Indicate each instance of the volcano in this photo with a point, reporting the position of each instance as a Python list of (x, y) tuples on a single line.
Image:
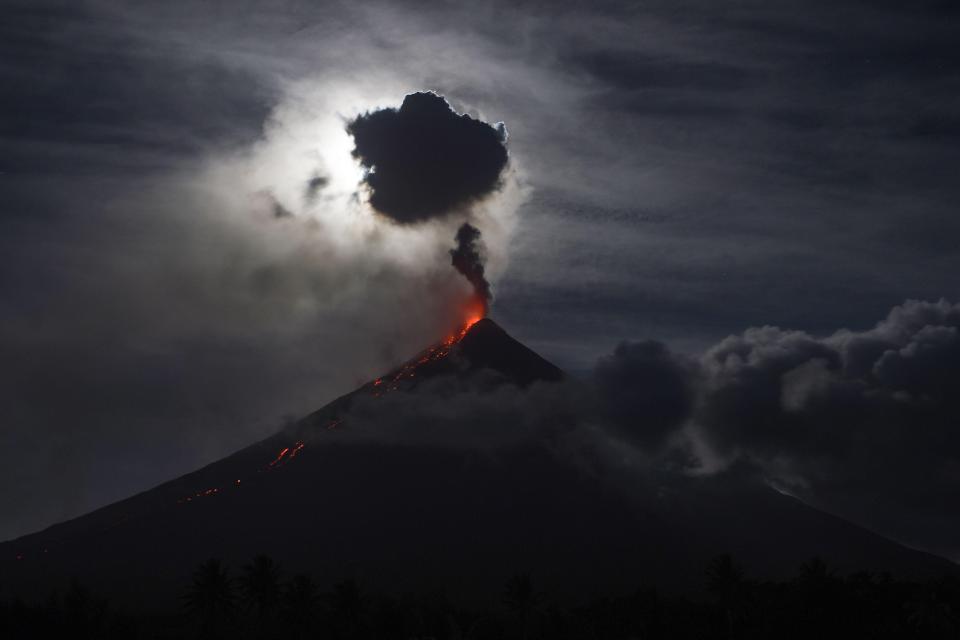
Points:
[(399, 511)]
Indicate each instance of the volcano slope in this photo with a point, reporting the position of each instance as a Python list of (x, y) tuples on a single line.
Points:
[(455, 471)]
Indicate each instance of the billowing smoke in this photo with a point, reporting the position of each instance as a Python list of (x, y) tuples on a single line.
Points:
[(425, 161), (467, 258), (644, 391), (862, 423)]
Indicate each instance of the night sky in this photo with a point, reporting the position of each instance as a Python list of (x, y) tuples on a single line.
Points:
[(706, 211)]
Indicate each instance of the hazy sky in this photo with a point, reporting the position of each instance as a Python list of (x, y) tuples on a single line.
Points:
[(679, 171)]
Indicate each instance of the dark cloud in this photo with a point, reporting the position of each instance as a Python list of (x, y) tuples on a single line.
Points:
[(424, 160), (644, 391), (773, 390), (467, 258), (862, 423)]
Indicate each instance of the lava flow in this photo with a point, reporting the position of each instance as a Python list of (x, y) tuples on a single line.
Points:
[(441, 350), (379, 386), (200, 494), (287, 454)]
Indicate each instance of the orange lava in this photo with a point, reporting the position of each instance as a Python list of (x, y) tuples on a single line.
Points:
[(380, 386), (287, 454), (297, 448), (200, 494), (474, 312), (279, 457), (472, 320)]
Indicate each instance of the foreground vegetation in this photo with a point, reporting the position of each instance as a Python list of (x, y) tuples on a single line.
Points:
[(259, 602)]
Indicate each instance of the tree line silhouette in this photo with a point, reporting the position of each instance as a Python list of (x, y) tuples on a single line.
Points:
[(259, 603)]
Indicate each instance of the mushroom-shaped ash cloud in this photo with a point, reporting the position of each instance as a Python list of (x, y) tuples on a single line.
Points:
[(424, 161)]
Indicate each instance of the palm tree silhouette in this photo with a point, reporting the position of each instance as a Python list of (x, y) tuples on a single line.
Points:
[(819, 592), (210, 598), (348, 605), (260, 587), (260, 583), (301, 597), (83, 613), (521, 600), (725, 581), (929, 613)]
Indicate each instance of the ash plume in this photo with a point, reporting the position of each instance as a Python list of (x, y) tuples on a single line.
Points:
[(467, 258), (424, 161)]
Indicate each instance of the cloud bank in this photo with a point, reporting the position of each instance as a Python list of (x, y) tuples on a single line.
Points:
[(865, 424)]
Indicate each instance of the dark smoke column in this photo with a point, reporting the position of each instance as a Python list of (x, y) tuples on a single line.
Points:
[(467, 258), (424, 162)]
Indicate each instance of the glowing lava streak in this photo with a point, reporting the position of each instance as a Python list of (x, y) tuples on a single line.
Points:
[(438, 351), (279, 458), (475, 311), (297, 448), (200, 494), (287, 454)]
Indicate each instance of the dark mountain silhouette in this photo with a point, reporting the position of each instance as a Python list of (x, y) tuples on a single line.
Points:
[(415, 516)]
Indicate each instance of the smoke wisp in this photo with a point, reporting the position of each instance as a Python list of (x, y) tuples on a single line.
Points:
[(467, 258)]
